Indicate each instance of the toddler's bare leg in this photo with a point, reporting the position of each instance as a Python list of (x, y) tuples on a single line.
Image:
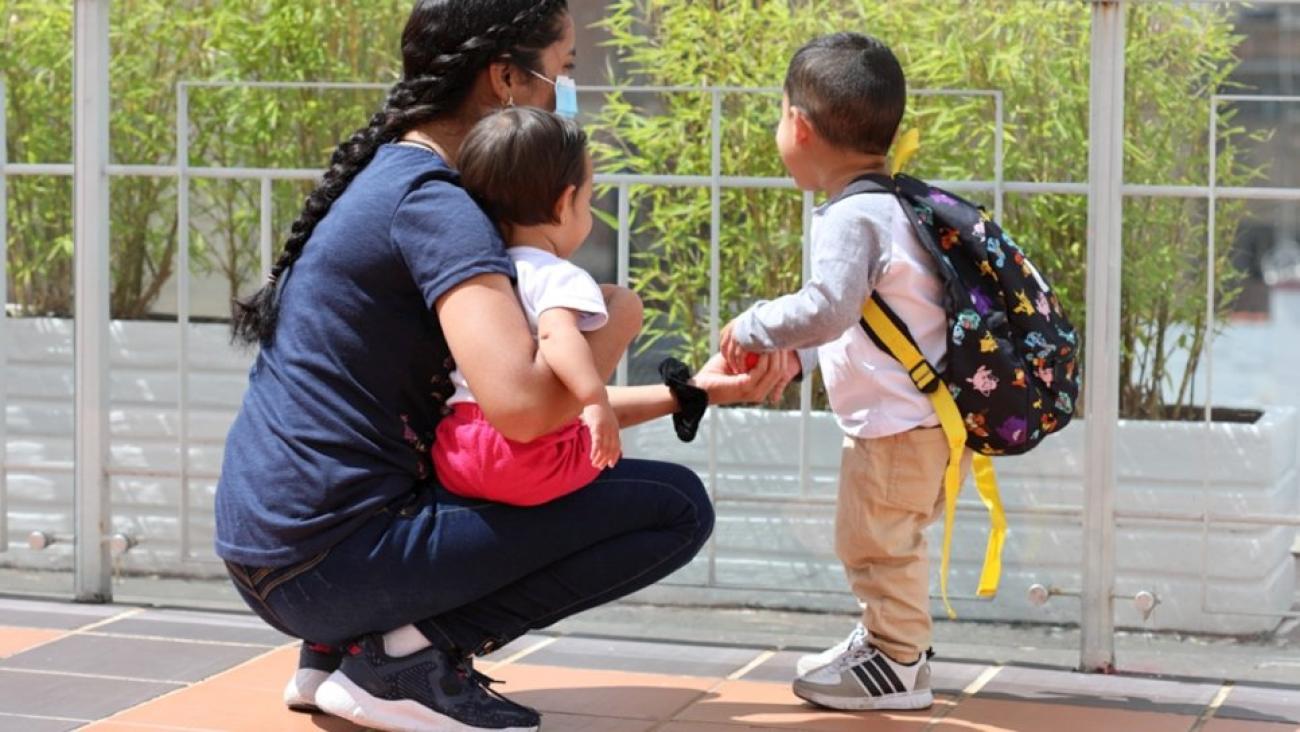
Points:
[(610, 342)]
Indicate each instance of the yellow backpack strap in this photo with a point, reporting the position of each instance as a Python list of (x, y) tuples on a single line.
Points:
[(986, 482), (890, 333)]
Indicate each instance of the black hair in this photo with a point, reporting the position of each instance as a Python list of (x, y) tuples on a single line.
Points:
[(852, 88), (445, 44), (518, 162)]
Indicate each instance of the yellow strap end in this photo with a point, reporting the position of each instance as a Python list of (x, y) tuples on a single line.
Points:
[(908, 143)]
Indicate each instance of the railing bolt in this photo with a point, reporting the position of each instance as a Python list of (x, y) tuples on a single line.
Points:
[(119, 544), (1039, 595), (39, 540), (1145, 602)]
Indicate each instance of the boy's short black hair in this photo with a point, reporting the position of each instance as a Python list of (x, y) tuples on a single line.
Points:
[(852, 88)]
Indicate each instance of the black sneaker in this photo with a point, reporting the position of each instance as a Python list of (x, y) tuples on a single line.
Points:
[(427, 691), (316, 662)]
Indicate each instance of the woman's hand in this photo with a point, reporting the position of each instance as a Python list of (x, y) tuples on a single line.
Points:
[(767, 380)]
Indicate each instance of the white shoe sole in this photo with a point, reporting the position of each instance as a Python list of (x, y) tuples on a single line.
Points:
[(300, 692), (910, 700), (341, 697)]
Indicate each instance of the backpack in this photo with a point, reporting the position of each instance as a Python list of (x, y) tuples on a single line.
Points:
[(1011, 374)]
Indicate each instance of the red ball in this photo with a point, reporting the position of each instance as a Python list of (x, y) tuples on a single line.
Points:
[(751, 360)]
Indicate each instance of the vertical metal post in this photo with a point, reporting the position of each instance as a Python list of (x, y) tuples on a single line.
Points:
[(183, 312), (1101, 373), (805, 387), (715, 294), (92, 581), (1207, 351), (4, 324), (999, 156), (265, 239), (624, 256)]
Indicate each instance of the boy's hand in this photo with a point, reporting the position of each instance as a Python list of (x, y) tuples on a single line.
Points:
[(732, 351), (606, 445)]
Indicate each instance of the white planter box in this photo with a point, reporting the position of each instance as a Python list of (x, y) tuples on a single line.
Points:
[(773, 539)]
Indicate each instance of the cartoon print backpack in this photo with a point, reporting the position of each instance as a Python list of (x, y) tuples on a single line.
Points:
[(1011, 377)]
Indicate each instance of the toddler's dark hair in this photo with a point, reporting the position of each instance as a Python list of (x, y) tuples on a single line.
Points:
[(518, 162), (852, 88)]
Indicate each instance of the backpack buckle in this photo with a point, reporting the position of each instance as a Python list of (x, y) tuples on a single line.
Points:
[(924, 377)]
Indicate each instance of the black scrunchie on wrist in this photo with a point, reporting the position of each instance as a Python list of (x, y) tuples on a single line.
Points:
[(692, 401)]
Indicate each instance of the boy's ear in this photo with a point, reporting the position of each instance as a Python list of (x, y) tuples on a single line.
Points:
[(803, 129), (562, 204)]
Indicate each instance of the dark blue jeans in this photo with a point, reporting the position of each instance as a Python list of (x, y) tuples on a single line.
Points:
[(473, 575)]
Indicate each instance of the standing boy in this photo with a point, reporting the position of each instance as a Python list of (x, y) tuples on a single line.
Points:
[(844, 98)]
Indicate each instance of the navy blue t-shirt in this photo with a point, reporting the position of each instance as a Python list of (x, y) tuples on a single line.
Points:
[(339, 412)]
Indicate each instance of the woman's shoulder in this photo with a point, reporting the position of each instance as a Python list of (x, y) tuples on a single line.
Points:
[(439, 231), (427, 179), (414, 168)]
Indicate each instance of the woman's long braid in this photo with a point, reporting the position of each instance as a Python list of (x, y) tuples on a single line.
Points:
[(417, 99)]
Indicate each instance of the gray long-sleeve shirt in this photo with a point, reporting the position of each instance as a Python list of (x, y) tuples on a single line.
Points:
[(860, 244), (850, 250)]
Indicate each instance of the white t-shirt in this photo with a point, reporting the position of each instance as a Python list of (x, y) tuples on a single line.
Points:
[(544, 281), (869, 390)]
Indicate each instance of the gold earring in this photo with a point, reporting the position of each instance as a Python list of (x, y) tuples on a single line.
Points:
[(510, 100)]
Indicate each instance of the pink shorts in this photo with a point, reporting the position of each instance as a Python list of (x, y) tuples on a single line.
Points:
[(474, 460)]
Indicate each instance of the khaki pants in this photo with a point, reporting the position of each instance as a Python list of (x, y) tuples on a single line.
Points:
[(890, 490)]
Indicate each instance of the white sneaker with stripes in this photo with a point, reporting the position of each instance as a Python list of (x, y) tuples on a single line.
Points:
[(860, 677), (813, 661)]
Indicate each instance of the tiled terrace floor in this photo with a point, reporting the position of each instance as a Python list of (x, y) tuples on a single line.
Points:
[(128, 669)]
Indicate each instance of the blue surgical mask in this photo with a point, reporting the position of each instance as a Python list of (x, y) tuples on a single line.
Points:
[(566, 94)]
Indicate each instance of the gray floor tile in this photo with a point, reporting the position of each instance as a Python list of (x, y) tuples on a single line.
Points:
[(655, 658), (132, 658), (198, 626), (53, 606), (951, 677), (38, 724), (779, 669), (60, 615), (1092, 690), (56, 621), (525, 641), (71, 696), (1262, 704)]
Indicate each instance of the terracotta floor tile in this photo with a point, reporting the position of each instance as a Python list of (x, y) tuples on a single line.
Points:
[(997, 715), (600, 693), (246, 697), (16, 640), (707, 727), (129, 727), (210, 707), (576, 723), (269, 672), (1237, 725), (773, 706)]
